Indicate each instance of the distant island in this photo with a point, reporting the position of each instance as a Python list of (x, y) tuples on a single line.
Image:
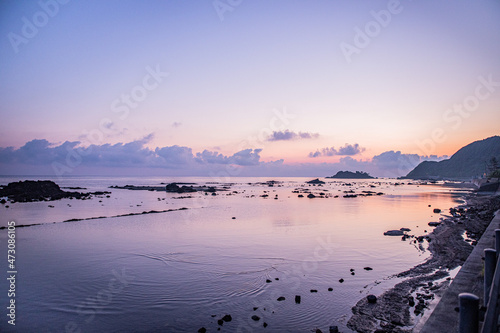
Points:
[(474, 160), (351, 175)]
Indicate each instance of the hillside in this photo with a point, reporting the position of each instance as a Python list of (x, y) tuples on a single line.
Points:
[(469, 161)]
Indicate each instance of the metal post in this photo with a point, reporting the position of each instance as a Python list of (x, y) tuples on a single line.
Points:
[(469, 313), (497, 240), (490, 262)]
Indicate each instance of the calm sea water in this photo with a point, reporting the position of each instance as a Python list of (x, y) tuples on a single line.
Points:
[(183, 270)]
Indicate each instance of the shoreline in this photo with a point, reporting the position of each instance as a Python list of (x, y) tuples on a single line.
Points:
[(450, 244)]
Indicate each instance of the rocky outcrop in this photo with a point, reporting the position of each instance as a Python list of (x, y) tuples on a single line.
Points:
[(41, 190)]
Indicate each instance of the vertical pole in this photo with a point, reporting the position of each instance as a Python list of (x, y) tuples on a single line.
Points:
[(469, 313), (497, 240), (490, 262)]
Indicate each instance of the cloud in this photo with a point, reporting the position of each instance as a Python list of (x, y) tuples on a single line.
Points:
[(347, 150), (176, 124), (290, 135), (40, 157)]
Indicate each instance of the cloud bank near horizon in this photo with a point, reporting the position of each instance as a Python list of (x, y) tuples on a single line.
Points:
[(40, 157)]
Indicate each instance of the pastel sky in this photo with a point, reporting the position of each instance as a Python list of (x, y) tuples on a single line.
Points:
[(284, 87)]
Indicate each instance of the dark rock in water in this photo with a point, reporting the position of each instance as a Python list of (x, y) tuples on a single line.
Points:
[(220, 322), (277, 279), (310, 196), (350, 196), (315, 181), (368, 269), (268, 281), (434, 224), (202, 330), (227, 318), (3, 201), (233, 218), (333, 329), (411, 301), (372, 299), (437, 210), (300, 196), (41, 190), (265, 325), (341, 280), (281, 298), (330, 289), (256, 318), (255, 308), (314, 291), (405, 229), (352, 273), (394, 233), (297, 299), (173, 187), (318, 331)]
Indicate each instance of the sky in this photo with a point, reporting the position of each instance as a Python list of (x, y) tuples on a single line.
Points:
[(239, 87)]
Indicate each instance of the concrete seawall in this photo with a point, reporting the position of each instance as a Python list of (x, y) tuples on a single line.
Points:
[(469, 279)]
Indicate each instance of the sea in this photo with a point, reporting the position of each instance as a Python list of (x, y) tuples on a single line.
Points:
[(259, 250)]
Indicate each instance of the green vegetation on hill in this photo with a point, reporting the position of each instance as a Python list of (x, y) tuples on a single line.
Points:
[(473, 160)]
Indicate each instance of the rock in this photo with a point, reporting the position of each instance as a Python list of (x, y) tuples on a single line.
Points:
[(255, 308), (434, 224), (405, 229), (437, 210), (268, 281), (314, 291), (227, 318), (333, 329), (297, 299), (318, 331), (353, 273), (372, 299), (234, 218), (368, 268), (42, 190), (3, 201), (281, 298), (265, 324), (300, 196), (411, 301), (341, 280), (202, 330), (220, 322), (277, 279), (330, 289), (315, 181), (310, 196), (255, 318), (394, 233)]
